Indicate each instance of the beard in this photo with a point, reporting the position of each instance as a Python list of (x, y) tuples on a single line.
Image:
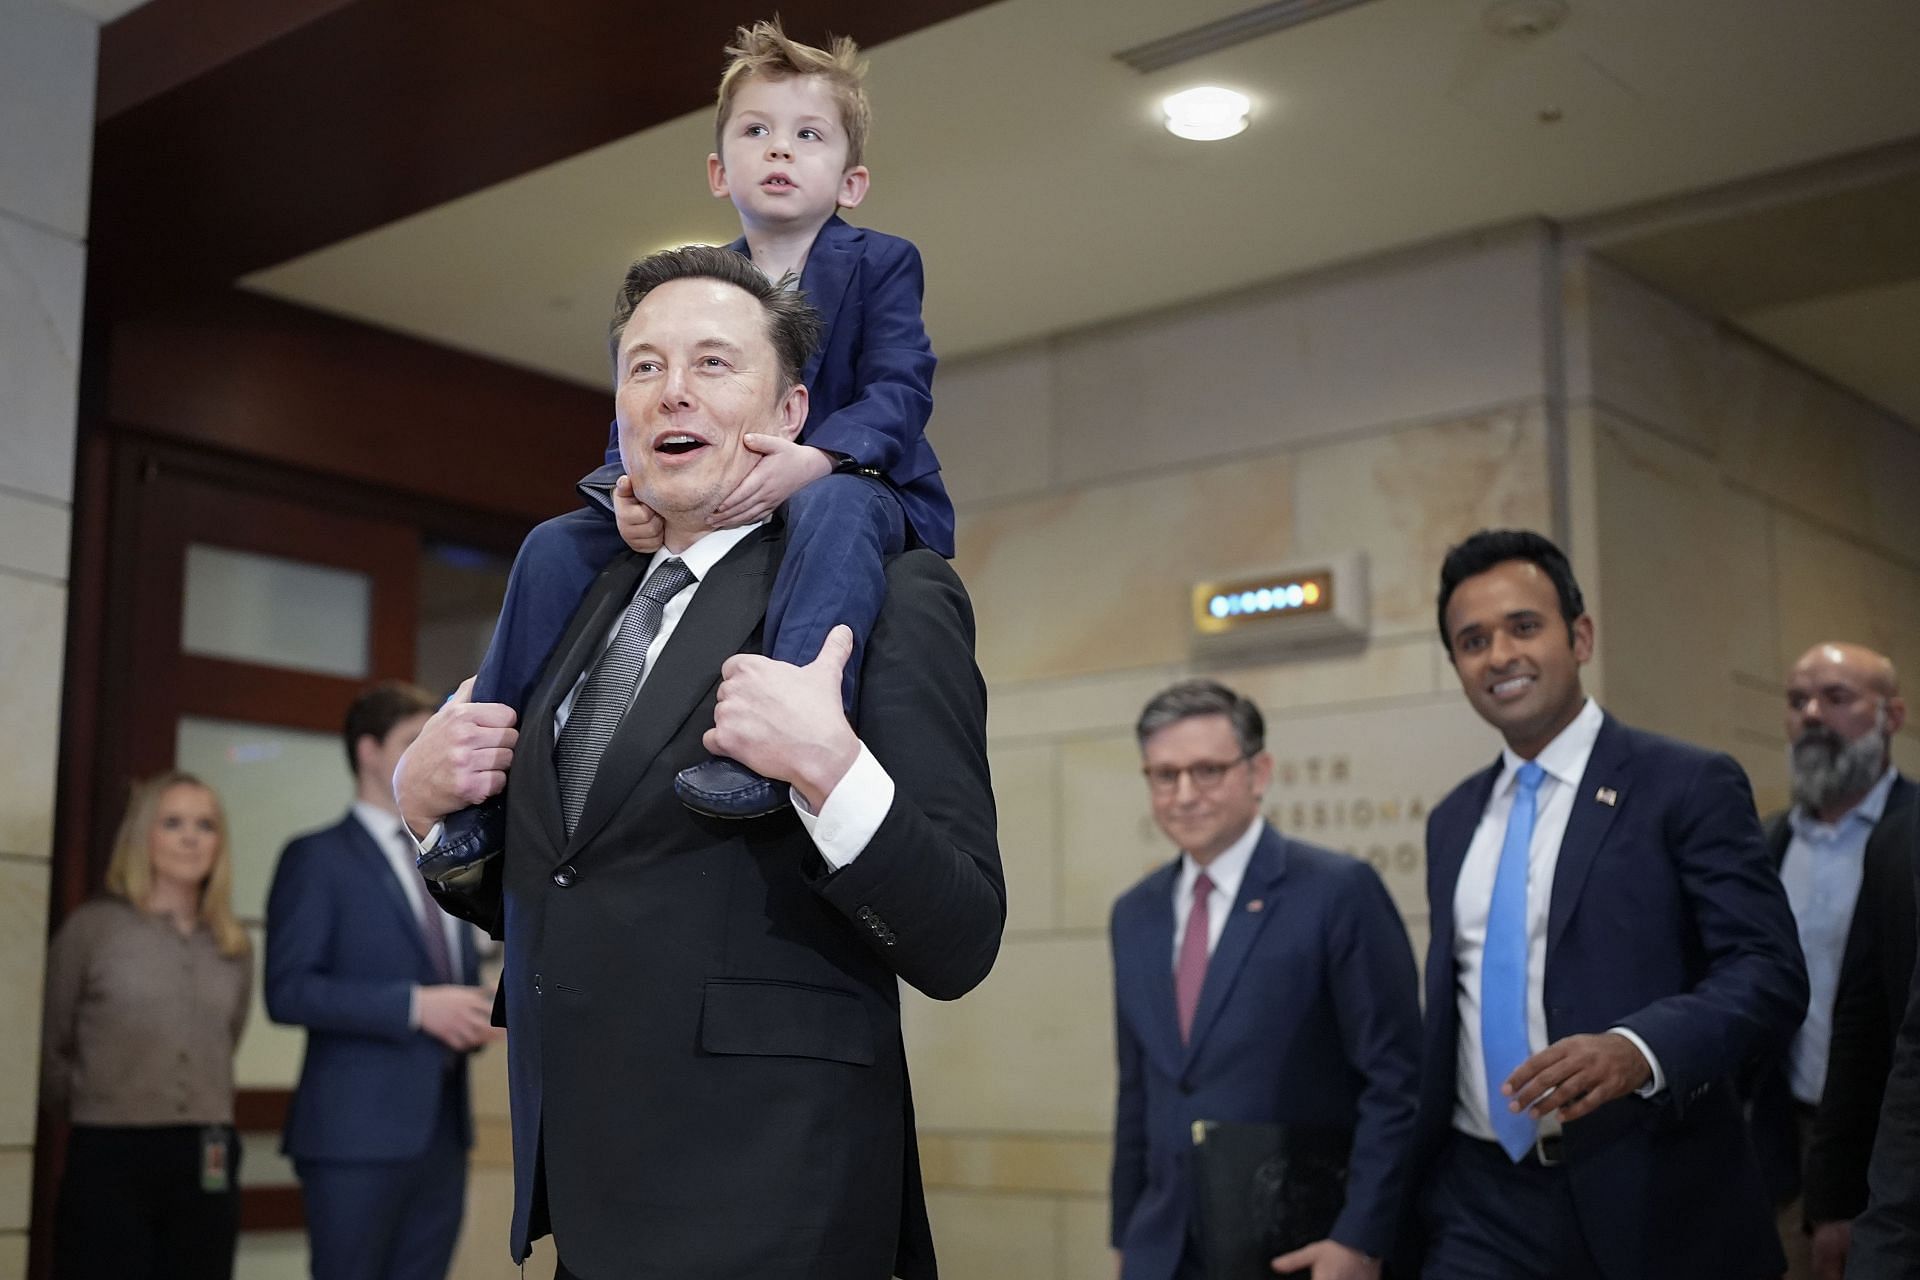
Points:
[(1827, 769)]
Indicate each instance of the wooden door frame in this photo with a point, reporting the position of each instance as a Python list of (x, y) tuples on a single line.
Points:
[(121, 565)]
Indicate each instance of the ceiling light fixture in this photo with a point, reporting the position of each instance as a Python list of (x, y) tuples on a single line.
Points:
[(1206, 114)]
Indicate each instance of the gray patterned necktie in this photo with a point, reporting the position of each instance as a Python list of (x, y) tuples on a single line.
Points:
[(608, 690)]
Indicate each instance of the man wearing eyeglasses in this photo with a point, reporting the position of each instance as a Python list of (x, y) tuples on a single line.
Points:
[(1258, 979)]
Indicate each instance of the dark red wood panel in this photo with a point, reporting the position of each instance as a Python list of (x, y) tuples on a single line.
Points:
[(282, 383), (375, 109)]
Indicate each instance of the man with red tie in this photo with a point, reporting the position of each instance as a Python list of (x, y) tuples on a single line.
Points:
[(1258, 979)]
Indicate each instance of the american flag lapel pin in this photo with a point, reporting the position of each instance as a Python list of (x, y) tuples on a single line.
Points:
[(1607, 796), (1256, 904)]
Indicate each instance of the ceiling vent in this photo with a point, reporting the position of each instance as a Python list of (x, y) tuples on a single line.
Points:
[(1261, 20)]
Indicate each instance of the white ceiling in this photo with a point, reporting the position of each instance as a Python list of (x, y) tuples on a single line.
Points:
[(1029, 166)]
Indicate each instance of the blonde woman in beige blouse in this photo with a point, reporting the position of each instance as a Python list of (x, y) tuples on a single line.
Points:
[(147, 991)]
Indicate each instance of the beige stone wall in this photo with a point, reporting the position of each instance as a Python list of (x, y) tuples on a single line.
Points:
[(46, 96), (1743, 509), (1392, 406)]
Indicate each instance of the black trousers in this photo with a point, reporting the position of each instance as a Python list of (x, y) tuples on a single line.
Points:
[(132, 1207)]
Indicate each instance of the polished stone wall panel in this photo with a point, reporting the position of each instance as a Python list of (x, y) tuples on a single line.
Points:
[(46, 98), (23, 954), (41, 277), (33, 618), (1024, 795), (1028, 1051), (1445, 328), (1405, 496), (1097, 579), (993, 425)]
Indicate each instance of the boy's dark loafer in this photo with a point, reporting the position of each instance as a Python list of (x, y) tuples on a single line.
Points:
[(723, 788), (469, 839)]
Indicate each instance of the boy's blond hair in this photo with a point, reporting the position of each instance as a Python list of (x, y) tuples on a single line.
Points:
[(764, 50)]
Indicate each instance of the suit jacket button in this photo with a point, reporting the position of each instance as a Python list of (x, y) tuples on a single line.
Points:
[(564, 875)]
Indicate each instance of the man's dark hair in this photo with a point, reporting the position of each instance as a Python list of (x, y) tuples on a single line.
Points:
[(1490, 547), (1192, 698), (793, 325), (375, 712)]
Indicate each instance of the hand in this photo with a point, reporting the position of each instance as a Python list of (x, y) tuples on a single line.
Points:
[(1576, 1076), (1832, 1241), (782, 469), (1119, 1264), (1329, 1260), (788, 722), (460, 758), (458, 1017), (640, 528)]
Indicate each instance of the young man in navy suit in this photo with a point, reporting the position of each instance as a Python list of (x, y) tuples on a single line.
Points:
[(1610, 947), (858, 484), (1258, 979), (384, 982)]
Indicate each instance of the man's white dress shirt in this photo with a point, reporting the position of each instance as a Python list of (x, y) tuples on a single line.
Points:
[(1564, 761), (1226, 872)]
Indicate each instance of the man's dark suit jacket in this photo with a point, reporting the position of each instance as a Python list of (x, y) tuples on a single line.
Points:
[(1886, 1235), (1310, 1015), (1874, 970), (871, 380), (344, 951), (1665, 919), (703, 1024)]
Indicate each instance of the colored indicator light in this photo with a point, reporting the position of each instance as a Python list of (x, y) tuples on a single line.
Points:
[(1295, 595), (1311, 593), (1264, 597), (1218, 607)]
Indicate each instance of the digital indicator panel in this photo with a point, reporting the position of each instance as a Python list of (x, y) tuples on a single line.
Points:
[(1225, 606)]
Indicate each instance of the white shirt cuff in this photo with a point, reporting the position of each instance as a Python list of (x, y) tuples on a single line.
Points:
[(852, 813), (425, 843), (1658, 1084)]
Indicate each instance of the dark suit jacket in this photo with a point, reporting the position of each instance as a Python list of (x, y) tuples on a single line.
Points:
[(870, 384), (703, 1023), (1664, 919), (1310, 1015), (1886, 1235), (1874, 968), (344, 950)]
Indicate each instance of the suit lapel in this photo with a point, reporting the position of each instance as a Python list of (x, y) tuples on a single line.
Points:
[(1265, 869), (380, 871), (536, 780), (1597, 799), (829, 268), (730, 603), (1449, 852), (1155, 952)]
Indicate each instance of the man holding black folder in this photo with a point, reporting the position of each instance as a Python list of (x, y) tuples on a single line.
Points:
[(1265, 987)]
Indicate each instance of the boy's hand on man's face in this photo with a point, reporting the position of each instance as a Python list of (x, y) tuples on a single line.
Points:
[(782, 470), (640, 528)]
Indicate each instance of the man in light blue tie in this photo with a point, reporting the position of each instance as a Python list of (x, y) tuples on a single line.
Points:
[(1609, 947)]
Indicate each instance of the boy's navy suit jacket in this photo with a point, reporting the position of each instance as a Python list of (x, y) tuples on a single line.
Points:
[(344, 951), (870, 385), (1666, 919)]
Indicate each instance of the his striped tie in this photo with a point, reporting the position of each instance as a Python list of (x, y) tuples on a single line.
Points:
[(608, 690)]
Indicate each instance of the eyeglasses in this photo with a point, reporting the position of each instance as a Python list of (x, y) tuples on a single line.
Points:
[(1206, 775)]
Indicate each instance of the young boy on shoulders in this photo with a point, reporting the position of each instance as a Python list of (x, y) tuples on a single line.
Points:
[(860, 483)]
